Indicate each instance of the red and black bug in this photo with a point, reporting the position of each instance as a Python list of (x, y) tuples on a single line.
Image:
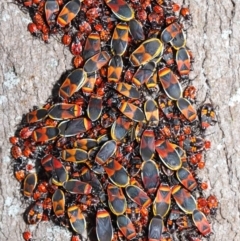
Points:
[(183, 62), (147, 145), (75, 155), (184, 199), (119, 40), (155, 228), (44, 134), (138, 196), (186, 178), (187, 109), (201, 223), (150, 176), (126, 226), (36, 115), (75, 186), (77, 219), (68, 12), (207, 116), (162, 202), (51, 10), (121, 9), (95, 106), (116, 199), (29, 184), (58, 203), (115, 68), (104, 227), (170, 83), (136, 30)]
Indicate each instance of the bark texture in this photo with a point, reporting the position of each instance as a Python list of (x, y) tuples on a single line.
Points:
[(29, 69)]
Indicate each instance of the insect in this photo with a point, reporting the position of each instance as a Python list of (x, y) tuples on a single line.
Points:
[(184, 199), (162, 202), (35, 213), (29, 184), (155, 228), (92, 46), (68, 12), (115, 68), (201, 223), (207, 116), (74, 81), (147, 51), (64, 111), (170, 32), (126, 226), (186, 178), (150, 176), (75, 155), (170, 83), (116, 199), (75, 186), (121, 9), (119, 40), (36, 115), (95, 106), (58, 203), (104, 227), (136, 30), (51, 10), (187, 109), (183, 62), (168, 154), (151, 112), (147, 145), (77, 219)]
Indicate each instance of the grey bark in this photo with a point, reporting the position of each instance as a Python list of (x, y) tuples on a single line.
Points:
[(29, 69)]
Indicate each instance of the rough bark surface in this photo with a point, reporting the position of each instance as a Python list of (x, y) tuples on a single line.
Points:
[(29, 69)]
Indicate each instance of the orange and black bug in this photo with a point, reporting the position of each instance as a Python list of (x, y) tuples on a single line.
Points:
[(151, 112), (207, 116), (147, 51), (44, 134), (170, 32), (128, 90), (168, 56), (138, 196), (186, 178), (74, 81), (183, 62), (74, 127), (95, 106), (192, 144), (85, 143), (77, 219), (115, 68), (184, 199), (75, 186), (144, 73), (117, 173), (136, 30), (116, 199), (167, 106), (92, 46), (187, 109), (120, 128), (29, 184), (68, 12), (121, 9), (36, 115), (47, 162), (64, 111), (170, 83), (131, 111), (168, 154), (119, 40), (58, 203), (201, 223), (150, 176), (96, 62), (126, 227), (90, 82), (152, 82), (16, 152), (179, 40), (106, 151), (104, 228), (19, 173), (147, 145), (75, 155), (162, 202), (27, 236), (155, 229), (59, 172), (34, 213), (51, 10)]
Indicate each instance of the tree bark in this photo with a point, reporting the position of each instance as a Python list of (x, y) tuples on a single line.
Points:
[(30, 68)]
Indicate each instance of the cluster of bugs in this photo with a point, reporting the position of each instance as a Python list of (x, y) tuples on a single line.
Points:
[(114, 155)]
